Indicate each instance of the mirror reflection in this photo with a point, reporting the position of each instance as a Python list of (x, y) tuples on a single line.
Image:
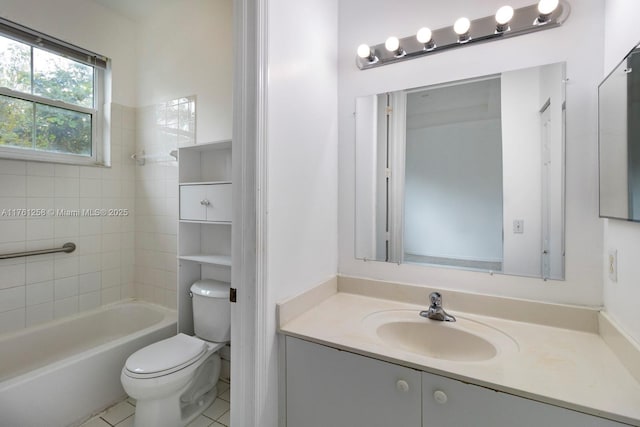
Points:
[(467, 174), (619, 140)]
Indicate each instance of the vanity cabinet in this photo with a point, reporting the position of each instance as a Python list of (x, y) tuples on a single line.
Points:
[(329, 387), (332, 388), (451, 403)]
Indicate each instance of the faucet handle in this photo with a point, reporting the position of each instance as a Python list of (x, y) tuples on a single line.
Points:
[(436, 299)]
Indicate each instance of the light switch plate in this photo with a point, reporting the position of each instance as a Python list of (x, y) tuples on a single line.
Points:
[(518, 226), (612, 265)]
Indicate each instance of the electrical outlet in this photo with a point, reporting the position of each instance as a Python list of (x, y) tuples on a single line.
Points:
[(518, 226), (612, 265)]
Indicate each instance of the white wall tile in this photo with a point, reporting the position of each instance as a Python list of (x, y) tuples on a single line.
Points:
[(39, 229), (89, 225), (12, 320), (89, 282), (8, 205), (110, 278), (65, 288), (13, 230), (90, 188), (66, 267), (39, 293), (12, 167), (41, 203), (12, 247), (66, 226), (89, 301), (66, 187), (110, 260), (13, 186), (68, 171), (89, 263), (12, 298), (111, 242), (40, 186), (91, 172), (39, 271), (65, 307), (12, 275), (37, 314), (87, 245), (110, 295), (40, 169)]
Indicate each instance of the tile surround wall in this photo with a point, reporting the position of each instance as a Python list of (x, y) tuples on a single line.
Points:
[(161, 128), (101, 270)]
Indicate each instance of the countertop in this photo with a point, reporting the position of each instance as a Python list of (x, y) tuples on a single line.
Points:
[(570, 368)]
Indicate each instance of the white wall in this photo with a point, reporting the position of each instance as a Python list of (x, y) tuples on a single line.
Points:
[(621, 298), (579, 42), (302, 157), (186, 48), (38, 289)]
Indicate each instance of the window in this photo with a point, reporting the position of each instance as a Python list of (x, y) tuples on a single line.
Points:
[(51, 98)]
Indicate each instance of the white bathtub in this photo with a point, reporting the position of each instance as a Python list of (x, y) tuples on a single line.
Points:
[(60, 373)]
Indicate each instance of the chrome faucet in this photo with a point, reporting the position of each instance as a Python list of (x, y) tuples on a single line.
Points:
[(435, 311)]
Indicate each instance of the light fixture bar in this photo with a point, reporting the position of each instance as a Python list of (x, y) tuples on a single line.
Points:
[(524, 21)]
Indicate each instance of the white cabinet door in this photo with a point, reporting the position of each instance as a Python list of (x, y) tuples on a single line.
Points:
[(208, 202), (332, 388), (192, 206), (450, 403), (219, 202)]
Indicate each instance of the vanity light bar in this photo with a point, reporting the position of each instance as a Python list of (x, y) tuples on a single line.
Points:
[(507, 22)]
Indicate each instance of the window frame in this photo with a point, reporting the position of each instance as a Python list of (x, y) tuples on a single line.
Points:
[(101, 81)]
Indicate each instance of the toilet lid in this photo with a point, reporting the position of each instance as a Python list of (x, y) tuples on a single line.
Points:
[(166, 355)]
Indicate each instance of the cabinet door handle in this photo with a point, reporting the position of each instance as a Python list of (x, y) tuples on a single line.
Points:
[(205, 202), (440, 397), (402, 385)]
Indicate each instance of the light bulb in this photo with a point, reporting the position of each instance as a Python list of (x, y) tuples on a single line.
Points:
[(424, 35), (461, 26), (546, 7), (392, 44), (364, 51), (504, 15)]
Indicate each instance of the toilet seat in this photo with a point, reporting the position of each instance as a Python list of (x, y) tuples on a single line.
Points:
[(165, 357)]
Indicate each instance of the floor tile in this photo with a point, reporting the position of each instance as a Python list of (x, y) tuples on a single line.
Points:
[(217, 408), (225, 419), (226, 395), (118, 413), (131, 400), (222, 387), (96, 422), (201, 421), (126, 423), (217, 424)]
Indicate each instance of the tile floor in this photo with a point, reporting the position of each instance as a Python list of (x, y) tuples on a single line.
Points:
[(121, 414)]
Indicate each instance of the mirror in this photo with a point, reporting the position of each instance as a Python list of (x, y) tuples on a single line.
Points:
[(619, 140), (467, 174)]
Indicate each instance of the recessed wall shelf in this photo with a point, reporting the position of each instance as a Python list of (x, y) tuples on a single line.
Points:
[(204, 227), (205, 183), (224, 260)]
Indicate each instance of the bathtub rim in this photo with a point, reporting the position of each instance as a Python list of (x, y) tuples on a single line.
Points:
[(169, 316)]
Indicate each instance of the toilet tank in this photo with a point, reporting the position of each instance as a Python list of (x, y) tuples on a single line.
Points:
[(211, 310)]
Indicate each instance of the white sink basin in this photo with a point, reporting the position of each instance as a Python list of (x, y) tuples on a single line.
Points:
[(463, 341)]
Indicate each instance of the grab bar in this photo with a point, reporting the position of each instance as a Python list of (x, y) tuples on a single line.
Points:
[(67, 247)]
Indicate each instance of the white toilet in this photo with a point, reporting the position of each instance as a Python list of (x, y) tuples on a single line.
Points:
[(174, 380)]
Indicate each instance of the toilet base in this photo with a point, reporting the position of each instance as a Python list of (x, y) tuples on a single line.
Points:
[(168, 413)]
